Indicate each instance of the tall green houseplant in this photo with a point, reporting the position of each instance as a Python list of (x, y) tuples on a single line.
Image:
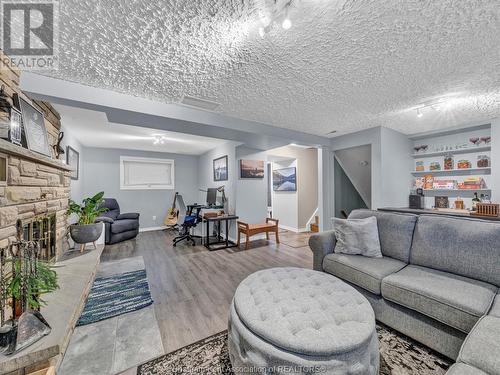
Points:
[(89, 210), (87, 230)]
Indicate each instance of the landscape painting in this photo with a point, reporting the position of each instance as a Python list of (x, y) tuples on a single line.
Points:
[(220, 169), (251, 168), (285, 179)]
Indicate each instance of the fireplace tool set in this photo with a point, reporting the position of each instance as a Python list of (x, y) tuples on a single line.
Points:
[(19, 267)]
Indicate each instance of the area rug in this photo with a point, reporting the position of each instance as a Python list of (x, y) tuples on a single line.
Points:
[(399, 355), (295, 240), (116, 295)]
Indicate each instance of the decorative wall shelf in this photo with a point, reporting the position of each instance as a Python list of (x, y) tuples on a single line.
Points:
[(455, 172), (467, 150), (455, 192)]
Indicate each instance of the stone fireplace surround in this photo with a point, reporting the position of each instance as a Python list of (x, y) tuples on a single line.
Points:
[(36, 186)]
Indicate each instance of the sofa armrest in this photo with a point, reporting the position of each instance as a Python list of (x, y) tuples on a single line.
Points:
[(321, 244), (129, 215), (104, 219)]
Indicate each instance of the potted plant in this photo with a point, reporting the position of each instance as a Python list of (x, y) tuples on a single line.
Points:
[(86, 229), (45, 281)]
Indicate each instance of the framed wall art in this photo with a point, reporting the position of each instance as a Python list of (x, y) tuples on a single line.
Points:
[(34, 128), (220, 169), (73, 160), (252, 169)]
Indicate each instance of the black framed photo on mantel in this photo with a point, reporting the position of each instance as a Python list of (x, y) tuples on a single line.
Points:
[(73, 160), (34, 128)]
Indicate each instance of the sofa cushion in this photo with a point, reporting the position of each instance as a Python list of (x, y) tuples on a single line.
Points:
[(364, 272), (120, 226), (481, 348), (495, 309), (466, 247), (451, 299), (395, 231), (463, 369)]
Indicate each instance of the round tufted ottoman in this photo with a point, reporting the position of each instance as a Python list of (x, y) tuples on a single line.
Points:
[(298, 321)]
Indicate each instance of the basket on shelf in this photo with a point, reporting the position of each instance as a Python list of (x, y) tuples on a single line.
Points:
[(487, 209)]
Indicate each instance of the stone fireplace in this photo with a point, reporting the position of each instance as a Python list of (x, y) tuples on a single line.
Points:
[(36, 192), (33, 188)]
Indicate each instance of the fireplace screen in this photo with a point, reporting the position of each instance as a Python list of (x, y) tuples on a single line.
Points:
[(42, 229)]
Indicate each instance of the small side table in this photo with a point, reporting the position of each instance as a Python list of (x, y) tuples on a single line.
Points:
[(223, 243)]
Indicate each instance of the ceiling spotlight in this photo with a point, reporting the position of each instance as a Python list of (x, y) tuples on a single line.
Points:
[(262, 32), (419, 113), (286, 23)]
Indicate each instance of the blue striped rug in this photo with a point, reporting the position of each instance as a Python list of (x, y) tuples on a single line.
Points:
[(116, 295)]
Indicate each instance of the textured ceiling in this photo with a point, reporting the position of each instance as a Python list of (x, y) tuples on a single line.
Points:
[(92, 129), (344, 65)]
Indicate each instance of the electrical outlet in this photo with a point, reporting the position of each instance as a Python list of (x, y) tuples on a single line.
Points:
[(154, 218)]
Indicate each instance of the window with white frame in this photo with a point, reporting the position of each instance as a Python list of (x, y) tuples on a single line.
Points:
[(146, 173)]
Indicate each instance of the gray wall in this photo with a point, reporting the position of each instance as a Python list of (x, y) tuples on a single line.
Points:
[(346, 196), (102, 173), (366, 137), (390, 164), (70, 140), (251, 194)]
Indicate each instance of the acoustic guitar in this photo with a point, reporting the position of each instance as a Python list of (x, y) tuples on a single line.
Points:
[(173, 213)]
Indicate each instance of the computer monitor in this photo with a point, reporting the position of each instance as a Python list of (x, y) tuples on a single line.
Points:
[(211, 196)]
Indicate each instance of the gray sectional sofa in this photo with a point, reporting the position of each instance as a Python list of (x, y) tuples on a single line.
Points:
[(437, 282)]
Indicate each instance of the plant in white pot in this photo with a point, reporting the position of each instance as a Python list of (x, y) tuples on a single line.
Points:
[(86, 230)]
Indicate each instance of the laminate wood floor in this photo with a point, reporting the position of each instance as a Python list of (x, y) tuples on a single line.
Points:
[(192, 287)]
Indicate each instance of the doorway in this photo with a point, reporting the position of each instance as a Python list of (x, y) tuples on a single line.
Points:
[(352, 179)]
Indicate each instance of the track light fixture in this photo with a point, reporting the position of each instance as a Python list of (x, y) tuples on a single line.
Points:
[(419, 113), (279, 15)]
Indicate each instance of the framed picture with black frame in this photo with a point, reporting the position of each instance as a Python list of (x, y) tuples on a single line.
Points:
[(34, 128), (73, 160), (220, 169)]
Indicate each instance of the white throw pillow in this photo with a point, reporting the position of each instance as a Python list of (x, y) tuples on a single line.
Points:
[(357, 236)]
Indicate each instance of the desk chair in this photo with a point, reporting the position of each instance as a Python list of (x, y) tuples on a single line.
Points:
[(186, 221)]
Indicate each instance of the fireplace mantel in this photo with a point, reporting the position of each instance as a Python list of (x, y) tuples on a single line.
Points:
[(14, 150)]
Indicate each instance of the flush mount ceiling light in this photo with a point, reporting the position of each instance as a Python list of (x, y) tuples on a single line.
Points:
[(278, 15), (437, 106), (159, 139)]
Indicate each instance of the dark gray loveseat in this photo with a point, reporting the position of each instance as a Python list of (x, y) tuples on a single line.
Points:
[(438, 282)]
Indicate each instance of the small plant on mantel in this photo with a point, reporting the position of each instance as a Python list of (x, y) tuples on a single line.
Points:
[(87, 230)]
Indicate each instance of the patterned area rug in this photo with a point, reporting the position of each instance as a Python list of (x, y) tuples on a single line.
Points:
[(399, 355), (116, 295)]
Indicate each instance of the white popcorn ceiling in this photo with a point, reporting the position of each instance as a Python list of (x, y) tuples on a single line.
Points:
[(344, 65)]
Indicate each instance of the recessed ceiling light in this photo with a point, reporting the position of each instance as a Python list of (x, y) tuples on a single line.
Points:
[(286, 23)]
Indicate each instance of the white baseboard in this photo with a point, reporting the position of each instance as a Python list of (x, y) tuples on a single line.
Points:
[(150, 229), (292, 229)]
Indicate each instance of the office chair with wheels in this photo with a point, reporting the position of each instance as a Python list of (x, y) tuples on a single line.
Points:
[(186, 221)]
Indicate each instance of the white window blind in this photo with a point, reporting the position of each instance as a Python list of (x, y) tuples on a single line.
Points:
[(146, 173)]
